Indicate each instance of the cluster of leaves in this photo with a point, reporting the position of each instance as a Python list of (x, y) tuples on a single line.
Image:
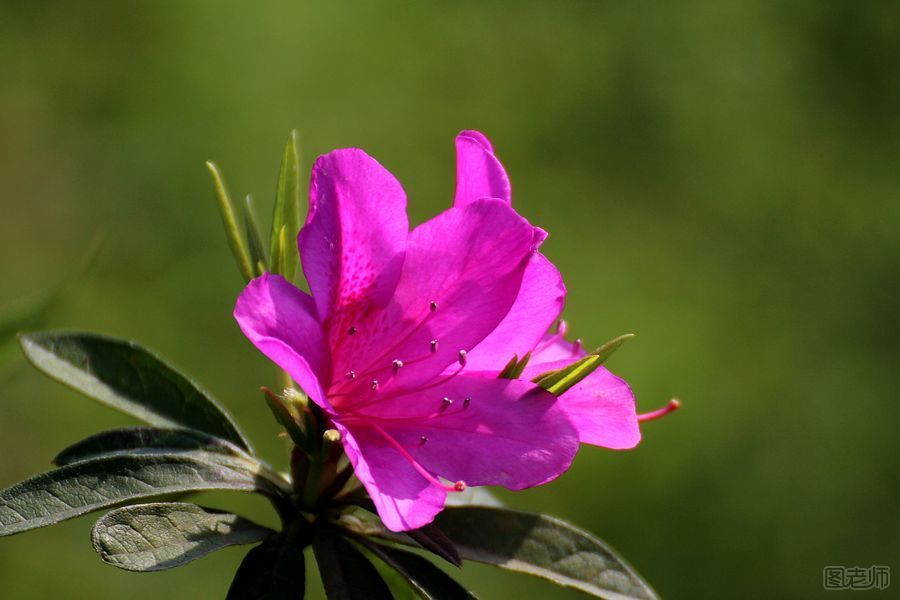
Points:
[(189, 444)]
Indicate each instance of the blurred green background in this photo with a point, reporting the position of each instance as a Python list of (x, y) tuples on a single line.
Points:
[(720, 178)]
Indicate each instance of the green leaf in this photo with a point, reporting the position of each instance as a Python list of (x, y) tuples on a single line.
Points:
[(226, 209), (559, 381), (399, 586), (520, 367), (544, 547), (346, 573), (159, 536), (429, 582), (287, 211), (129, 378), (274, 570), (82, 487), (144, 439), (510, 368), (428, 537), (254, 237)]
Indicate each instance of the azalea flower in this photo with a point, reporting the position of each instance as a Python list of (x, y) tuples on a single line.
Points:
[(404, 332)]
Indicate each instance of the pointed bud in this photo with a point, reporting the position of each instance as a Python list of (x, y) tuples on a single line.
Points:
[(559, 381), (286, 216), (226, 210)]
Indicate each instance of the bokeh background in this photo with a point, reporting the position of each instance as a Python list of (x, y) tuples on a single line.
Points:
[(719, 177)]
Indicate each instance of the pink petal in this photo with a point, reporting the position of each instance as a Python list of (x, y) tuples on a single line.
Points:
[(509, 433), (555, 347), (601, 406), (478, 172), (280, 320), (538, 305), (403, 498), (353, 243), (458, 283)]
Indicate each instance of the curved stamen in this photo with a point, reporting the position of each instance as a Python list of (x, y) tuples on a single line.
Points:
[(673, 405), (456, 487)]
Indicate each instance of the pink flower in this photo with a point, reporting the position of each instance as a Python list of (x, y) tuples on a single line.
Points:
[(393, 341), (602, 406)]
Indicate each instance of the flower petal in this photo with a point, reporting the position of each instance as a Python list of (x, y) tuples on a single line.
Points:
[(404, 499), (478, 172), (353, 243), (457, 285), (280, 320), (601, 406), (538, 305), (510, 433)]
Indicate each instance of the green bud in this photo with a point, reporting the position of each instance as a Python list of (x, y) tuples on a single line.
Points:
[(289, 418), (286, 217), (559, 381), (254, 238), (226, 209)]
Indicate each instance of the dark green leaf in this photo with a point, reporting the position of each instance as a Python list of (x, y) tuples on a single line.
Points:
[(559, 381), (542, 546), (431, 538), (274, 570), (399, 586), (346, 573), (428, 537), (286, 217), (430, 582), (82, 487), (146, 439), (226, 209), (254, 237), (129, 378), (159, 536)]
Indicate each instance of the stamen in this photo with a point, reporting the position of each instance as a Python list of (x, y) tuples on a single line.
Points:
[(352, 331), (456, 487), (673, 405), (432, 305), (374, 385), (446, 403), (462, 358), (351, 375), (562, 327), (422, 440), (576, 346), (434, 346), (466, 403), (397, 364)]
